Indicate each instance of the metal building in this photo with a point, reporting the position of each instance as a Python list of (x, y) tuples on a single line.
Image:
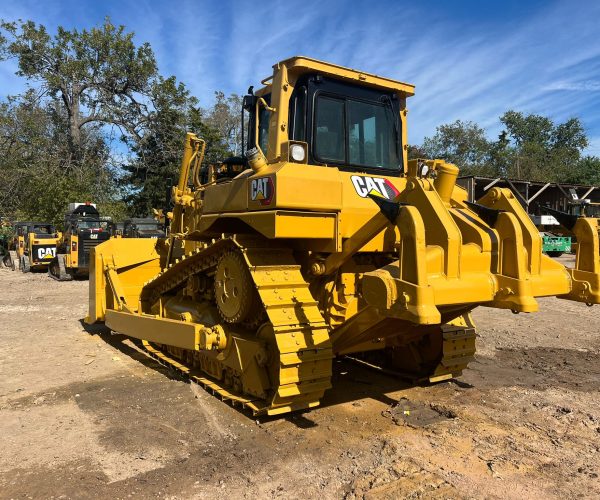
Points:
[(533, 195)]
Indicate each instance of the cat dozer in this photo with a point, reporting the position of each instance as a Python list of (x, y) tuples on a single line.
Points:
[(324, 240)]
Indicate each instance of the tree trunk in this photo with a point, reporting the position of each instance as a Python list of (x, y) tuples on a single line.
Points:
[(73, 111), (75, 136)]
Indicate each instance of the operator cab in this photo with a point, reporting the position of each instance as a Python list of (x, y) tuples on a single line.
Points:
[(42, 231), (321, 114), (352, 127), (86, 217), (38, 229)]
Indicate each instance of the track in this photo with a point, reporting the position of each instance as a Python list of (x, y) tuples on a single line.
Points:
[(295, 335), (290, 336), (57, 269)]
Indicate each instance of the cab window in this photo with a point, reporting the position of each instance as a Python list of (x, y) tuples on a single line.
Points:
[(356, 132), (372, 138), (88, 224), (41, 230), (297, 117), (258, 133), (264, 117), (330, 143)]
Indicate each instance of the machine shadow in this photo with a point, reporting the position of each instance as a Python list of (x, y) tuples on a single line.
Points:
[(350, 381), (118, 341)]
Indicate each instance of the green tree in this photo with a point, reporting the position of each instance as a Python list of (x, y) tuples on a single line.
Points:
[(570, 137), (157, 156), (99, 76), (462, 143), (524, 129), (531, 147), (585, 171), (34, 154), (538, 149), (416, 152), (89, 84), (225, 118)]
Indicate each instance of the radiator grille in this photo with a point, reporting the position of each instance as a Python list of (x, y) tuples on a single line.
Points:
[(84, 251)]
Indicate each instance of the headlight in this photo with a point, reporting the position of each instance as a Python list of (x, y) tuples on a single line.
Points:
[(297, 153)]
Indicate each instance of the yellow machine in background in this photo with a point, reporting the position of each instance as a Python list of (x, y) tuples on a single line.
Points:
[(32, 247), (585, 208), (325, 241), (84, 229)]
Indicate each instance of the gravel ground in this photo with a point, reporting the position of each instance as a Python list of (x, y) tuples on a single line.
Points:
[(86, 414)]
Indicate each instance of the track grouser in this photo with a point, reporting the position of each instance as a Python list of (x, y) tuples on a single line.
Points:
[(323, 240)]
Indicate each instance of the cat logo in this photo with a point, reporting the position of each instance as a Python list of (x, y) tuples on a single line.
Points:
[(262, 189), (364, 184), (46, 253)]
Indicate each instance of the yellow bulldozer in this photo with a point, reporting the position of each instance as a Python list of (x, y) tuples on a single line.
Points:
[(325, 240)]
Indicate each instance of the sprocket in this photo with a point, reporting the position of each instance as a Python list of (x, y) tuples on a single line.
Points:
[(235, 293)]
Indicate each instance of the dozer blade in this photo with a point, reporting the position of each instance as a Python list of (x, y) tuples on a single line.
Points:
[(134, 260)]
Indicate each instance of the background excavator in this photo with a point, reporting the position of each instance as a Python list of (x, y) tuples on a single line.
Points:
[(325, 240)]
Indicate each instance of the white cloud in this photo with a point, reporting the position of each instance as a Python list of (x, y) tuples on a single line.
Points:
[(469, 69), (587, 86)]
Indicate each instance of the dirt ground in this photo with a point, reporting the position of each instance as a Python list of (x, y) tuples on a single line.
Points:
[(86, 414)]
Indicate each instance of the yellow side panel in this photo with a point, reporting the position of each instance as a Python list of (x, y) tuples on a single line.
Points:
[(291, 186), (227, 197), (305, 225), (307, 187)]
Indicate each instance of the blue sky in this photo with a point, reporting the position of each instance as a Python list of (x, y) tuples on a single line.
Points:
[(469, 60)]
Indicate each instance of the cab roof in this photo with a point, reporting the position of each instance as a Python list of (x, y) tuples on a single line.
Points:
[(141, 220), (302, 64), (30, 223)]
